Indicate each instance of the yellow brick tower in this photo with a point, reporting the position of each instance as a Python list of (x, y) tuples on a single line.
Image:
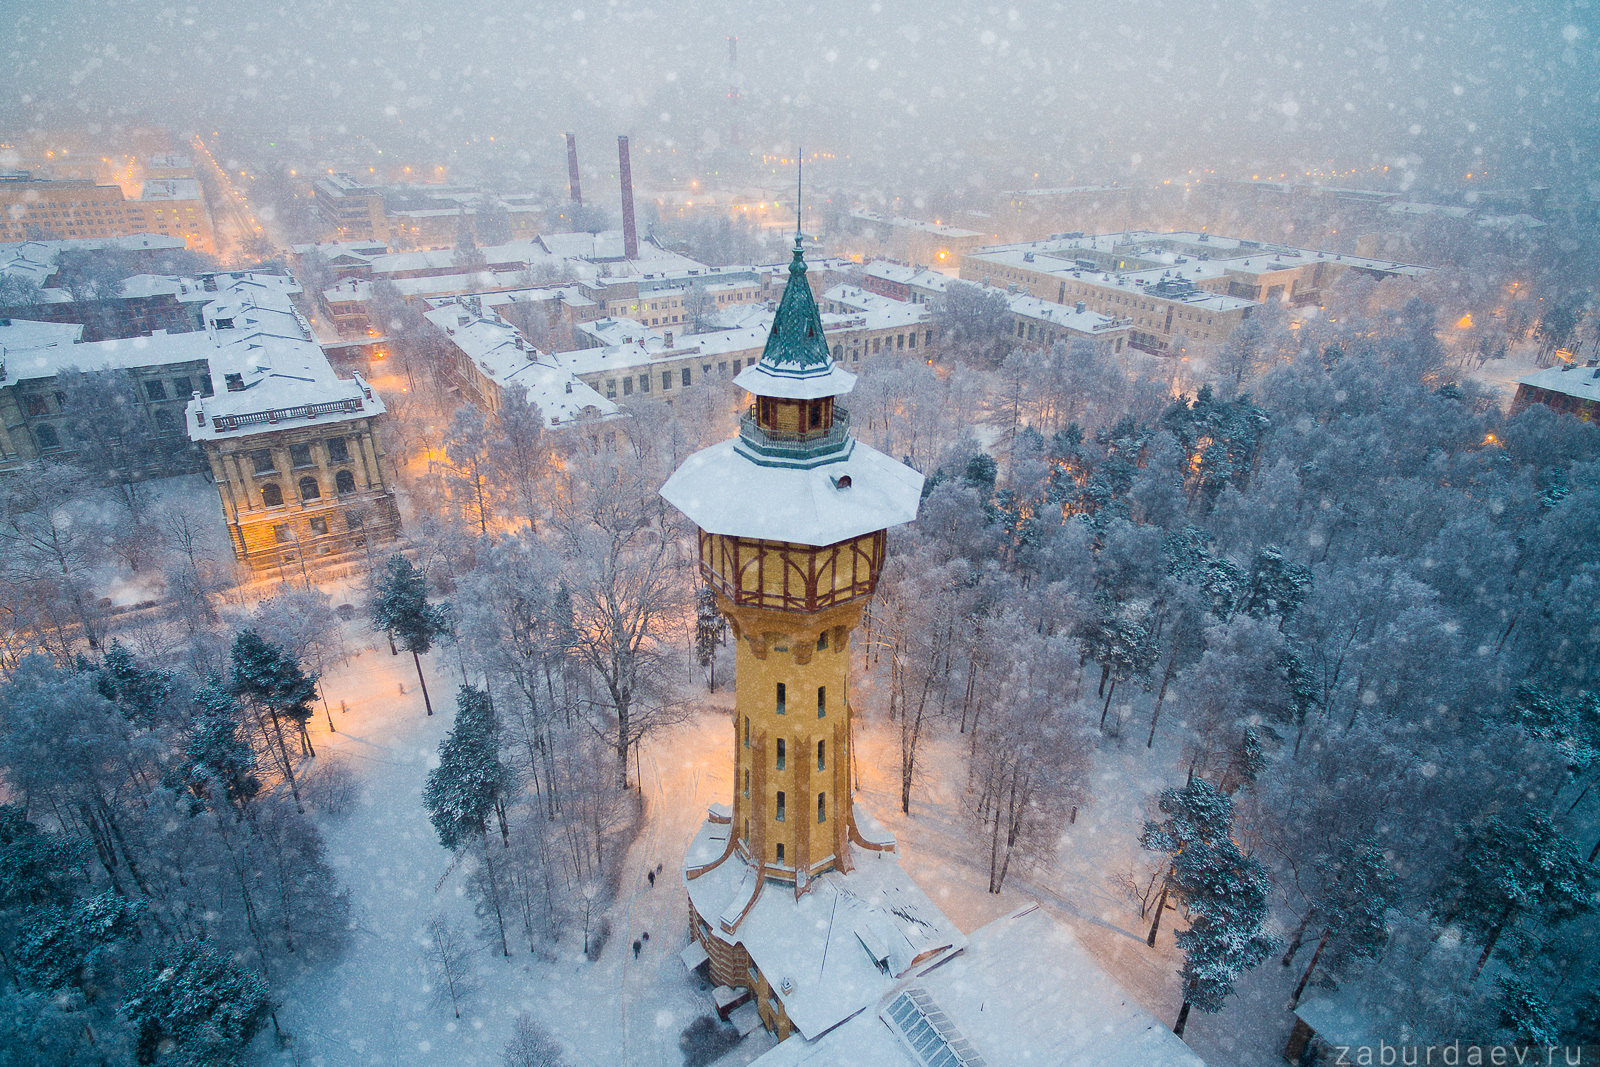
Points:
[(792, 515)]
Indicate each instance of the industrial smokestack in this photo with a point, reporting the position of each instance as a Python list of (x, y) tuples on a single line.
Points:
[(630, 236), (572, 168)]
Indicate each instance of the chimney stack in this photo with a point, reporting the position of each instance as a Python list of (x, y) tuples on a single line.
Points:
[(572, 169), (630, 236)]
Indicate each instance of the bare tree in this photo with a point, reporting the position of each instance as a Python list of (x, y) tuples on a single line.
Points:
[(531, 1046), (627, 590), (1031, 755), (450, 955)]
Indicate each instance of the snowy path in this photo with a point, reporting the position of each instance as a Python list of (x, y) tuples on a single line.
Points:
[(378, 1005)]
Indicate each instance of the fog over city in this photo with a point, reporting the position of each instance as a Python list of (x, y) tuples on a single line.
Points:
[(942, 94), (831, 534)]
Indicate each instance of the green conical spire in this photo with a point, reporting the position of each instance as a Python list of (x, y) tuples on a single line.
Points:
[(796, 345)]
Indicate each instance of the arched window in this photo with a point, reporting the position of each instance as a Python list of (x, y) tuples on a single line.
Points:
[(48, 438), (271, 495), (345, 482), (309, 490)]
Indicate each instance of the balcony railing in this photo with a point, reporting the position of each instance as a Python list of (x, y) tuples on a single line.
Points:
[(274, 415), (783, 445)]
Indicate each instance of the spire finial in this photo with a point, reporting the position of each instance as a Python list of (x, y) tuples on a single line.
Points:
[(799, 193)]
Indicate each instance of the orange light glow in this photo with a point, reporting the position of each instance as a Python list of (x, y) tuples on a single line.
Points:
[(1465, 322)]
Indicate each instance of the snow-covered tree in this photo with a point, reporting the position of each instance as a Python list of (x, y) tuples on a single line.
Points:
[(1224, 890), (469, 783), (1510, 869), (197, 1008), (270, 683), (400, 607)]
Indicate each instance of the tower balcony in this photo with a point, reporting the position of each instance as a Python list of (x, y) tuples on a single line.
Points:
[(766, 444)]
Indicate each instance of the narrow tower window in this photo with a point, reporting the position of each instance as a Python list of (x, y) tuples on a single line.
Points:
[(822, 756), (781, 753), (822, 640), (822, 701), (747, 783), (783, 696), (780, 853), (780, 805), (747, 731), (822, 807)]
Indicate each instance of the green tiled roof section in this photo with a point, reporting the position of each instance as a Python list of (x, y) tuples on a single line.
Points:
[(796, 345)]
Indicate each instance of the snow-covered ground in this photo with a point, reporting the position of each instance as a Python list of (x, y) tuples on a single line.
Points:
[(380, 1003)]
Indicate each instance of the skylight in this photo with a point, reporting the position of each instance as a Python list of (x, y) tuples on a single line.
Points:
[(929, 1033)]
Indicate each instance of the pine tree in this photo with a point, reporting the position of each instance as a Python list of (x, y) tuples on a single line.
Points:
[(401, 607), (200, 1001), (466, 787), (1224, 890), (64, 945), (141, 693), (707, 634), (269, 679), (1507, 870), (219, 762), (1525, 1012), (35, 867), (1351, 904)]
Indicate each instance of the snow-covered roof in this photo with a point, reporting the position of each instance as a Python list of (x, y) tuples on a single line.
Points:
[(22, 336), (617, 331), (723, 490), (1068, 318), (915, 224), (1567, 378), (821, 951), (170, 189), (1024, 990), (915, 277), (507, 358)]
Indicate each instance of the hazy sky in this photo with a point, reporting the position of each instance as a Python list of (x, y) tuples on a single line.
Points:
[(983, 93)]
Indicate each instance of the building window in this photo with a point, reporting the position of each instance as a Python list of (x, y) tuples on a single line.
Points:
[(747, 783), (181, 388), (261, 461), (282, 534), (747, 731), (780, 852), (822, 807), (271, 495), (338, 450), (644, 383), (205, 386), (783, 695), (309, 490), (666, 380), (37, 406), (319, 526), (816, 414), (166, 423), (822, 755), (48, 438), (782, 753), (838, 351), (686, 376), (781, 808), (911, 339), (235, 382), (737, 364), (611, 388), (627, 387), (705, 372), (822, 701), (722, 367), (822, 640), (344, 482), (300, 455)]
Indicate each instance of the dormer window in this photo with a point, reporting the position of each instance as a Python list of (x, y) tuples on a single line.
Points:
[(224, 324), (235, 382)]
